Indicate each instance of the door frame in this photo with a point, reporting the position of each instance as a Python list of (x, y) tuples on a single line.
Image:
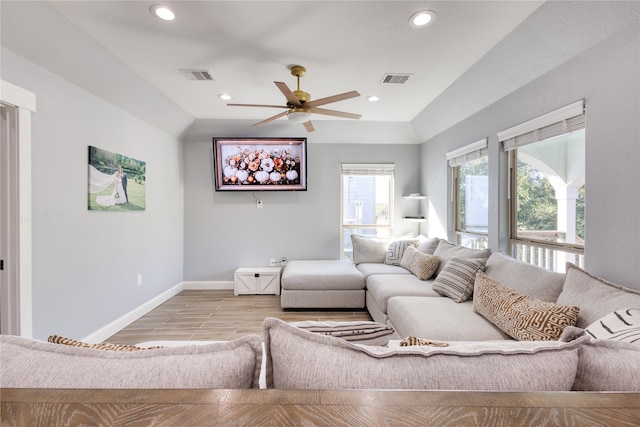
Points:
[(16, 203)]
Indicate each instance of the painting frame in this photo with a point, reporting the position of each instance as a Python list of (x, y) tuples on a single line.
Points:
[(260, 164), (115, 182)]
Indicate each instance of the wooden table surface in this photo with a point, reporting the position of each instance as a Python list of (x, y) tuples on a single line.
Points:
[(50, 407)]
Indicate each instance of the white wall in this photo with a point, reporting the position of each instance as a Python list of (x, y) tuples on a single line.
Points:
[(224, 231), (607, 76), (85, 263)]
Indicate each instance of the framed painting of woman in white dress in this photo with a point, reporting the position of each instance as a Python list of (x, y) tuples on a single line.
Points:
[(116, 182)]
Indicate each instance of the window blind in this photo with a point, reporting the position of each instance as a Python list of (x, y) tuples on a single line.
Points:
[(469, 152), (563, 120), (367, 168)]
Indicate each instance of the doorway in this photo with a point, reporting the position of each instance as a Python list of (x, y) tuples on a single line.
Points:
[(16, 106)]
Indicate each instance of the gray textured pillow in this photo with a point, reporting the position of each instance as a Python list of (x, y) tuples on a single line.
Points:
[(396, 249), (422, 265), (605, 365), (427, 246), (298, 359), (595, 297), (525, 278), (368, 249), (359, 332), (445, 251), (457, 278), (35, 364)]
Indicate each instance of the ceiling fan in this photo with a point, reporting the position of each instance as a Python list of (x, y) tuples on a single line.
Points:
[(300, 106)]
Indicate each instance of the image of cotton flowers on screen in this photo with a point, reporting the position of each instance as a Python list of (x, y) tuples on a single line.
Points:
[(261, 166)]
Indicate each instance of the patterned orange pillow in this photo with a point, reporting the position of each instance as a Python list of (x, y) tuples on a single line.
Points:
[(57, 339), (521, 317)]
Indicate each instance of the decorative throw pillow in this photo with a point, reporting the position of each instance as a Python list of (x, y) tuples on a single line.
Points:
[(411, 340), (396, 249), (422, 265), (57, 339), (521, 317), (428, 246), (369, 333), (446, 251), (621, 325), (457, 278), (368, 249)]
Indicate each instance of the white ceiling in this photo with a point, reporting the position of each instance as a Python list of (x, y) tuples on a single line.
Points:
[(345, 45), (474, 54)]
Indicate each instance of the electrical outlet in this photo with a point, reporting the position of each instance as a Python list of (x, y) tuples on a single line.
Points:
[(259, 204), (139, 279)]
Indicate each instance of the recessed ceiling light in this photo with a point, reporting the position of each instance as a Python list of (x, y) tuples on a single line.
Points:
[(224, 96), (372, 98), (162, 12), (422, 18)]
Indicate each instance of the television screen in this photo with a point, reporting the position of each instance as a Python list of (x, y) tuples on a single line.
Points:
[(260, 164)]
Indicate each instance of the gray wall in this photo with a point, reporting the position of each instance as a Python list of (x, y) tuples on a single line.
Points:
[(607, 77), (223, 231), (85, 263)]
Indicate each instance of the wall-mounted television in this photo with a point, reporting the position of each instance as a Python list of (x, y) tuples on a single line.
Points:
[(260, 164)]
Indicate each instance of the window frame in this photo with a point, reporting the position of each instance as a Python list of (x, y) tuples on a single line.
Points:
[(347, 170)]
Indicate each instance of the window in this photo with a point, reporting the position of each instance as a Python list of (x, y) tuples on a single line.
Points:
[(547, 188), (367, 203), (470, 168)]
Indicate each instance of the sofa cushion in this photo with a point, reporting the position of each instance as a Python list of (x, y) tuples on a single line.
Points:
[(457, 278), (368, 249), (445, 251), (359, 332), (318, 275), (525, 278), (596, 297), (620, 325), (297, 359), (427, 246), (440, 319), (375, 268), (36, 364), (422, 265), (605, 365), (522, 317), (385, 286), (396, 250)]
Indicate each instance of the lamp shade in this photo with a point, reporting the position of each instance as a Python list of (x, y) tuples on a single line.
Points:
[(299, 115)]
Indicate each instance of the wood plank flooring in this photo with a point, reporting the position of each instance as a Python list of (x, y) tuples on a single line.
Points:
[(201, 315)]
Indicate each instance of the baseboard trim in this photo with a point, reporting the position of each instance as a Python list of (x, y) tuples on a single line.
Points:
[(117, 325), (208, 285), (120, 323)]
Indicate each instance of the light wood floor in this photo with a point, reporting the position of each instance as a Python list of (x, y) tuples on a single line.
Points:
[(194, 315)]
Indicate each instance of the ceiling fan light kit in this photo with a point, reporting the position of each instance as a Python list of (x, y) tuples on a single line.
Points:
[(299, 105)]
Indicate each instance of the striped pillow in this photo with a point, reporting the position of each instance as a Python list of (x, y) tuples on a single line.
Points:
[(57, 339), (358, 332), (621, 325), (457, 278)]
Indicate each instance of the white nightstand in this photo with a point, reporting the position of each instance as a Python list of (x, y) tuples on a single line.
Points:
[(257, 280)]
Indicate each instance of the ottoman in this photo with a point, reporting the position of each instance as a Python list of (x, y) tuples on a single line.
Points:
[(322, 284)]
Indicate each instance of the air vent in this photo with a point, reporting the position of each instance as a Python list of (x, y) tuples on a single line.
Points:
[(398, 79), (197, 74)]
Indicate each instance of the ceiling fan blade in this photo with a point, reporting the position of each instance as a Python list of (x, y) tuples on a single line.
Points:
[(291, 98), (330, 99), (308, 126), (272, 118), (257, 105), (335, 113)]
